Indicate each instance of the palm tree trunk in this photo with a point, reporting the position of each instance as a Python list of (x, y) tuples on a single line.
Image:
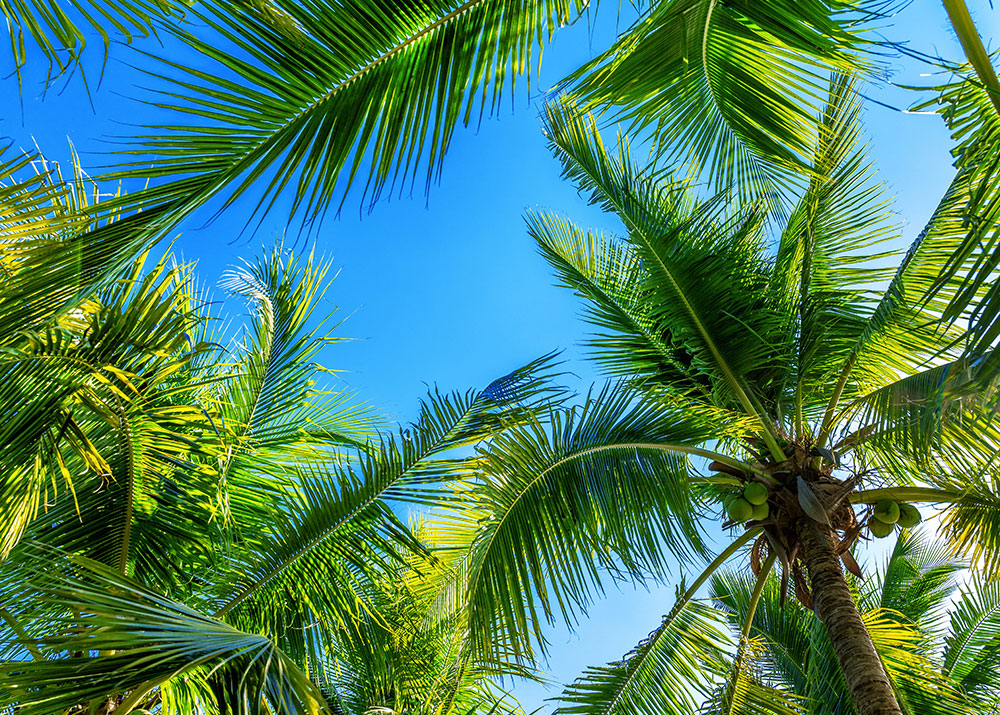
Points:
[(859, 662)]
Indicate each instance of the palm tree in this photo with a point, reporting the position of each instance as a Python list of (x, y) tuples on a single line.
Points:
[(937, 640), (774, 360), (201, 527)]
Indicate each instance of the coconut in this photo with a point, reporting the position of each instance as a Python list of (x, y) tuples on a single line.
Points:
[(879, 528), (886, 511), (739, 510), (909, 516), (755, 493), (760, 511)]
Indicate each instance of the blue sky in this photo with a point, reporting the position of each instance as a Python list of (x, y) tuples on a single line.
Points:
[(450, 290)]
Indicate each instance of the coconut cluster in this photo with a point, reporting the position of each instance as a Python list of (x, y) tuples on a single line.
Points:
[(887, 514), (750, 505)]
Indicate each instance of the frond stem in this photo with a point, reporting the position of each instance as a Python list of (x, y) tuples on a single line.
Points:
[(9, 619), (920, 494), (972, 44), (747, 536)]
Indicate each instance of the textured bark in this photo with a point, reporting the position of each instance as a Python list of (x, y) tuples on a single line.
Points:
[(859, 662)]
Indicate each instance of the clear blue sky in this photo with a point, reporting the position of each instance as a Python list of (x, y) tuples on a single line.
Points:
[(452, 292)]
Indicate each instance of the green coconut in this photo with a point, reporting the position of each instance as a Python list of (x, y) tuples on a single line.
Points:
[(886, 511), (879, 528), (739, 510), (755, 493), (909, 516), (760, 511)]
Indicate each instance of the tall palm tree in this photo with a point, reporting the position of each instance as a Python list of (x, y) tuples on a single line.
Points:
[(768, 354)]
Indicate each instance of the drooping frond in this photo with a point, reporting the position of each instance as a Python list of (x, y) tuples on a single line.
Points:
[(309, 94), (334, 531), (602, 487), (731, 89), (925, 415), (111, 639), (60, 32)]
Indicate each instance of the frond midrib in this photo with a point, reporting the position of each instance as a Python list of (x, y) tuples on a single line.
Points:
[(430, 449)]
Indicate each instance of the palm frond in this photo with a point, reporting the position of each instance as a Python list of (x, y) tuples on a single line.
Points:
[(115, 370), (143, 640), (744, 690), (918, 579), (557, 501), (972, 646), (967, 280), (919, 685), (305, 94), (60, 32), (730, 89), (696, 257), (971, 522), (338, 532), (825, 264)]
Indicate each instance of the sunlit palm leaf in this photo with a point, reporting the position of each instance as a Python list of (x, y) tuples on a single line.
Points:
[(729, 88), (696, 258), (973, 261), (307, 94)]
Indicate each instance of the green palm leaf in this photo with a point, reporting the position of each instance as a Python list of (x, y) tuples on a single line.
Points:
[(61, 31), (144, 640), (695, 256), (305, 94), (97, 405), (972, 646), (729, 88), (967, 280), (601, 487)]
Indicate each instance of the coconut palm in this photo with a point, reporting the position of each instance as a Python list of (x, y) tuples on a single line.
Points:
[(192, 522), (937, 640), (767, 354)]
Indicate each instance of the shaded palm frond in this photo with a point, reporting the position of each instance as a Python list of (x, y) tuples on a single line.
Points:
[(143, 640)]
